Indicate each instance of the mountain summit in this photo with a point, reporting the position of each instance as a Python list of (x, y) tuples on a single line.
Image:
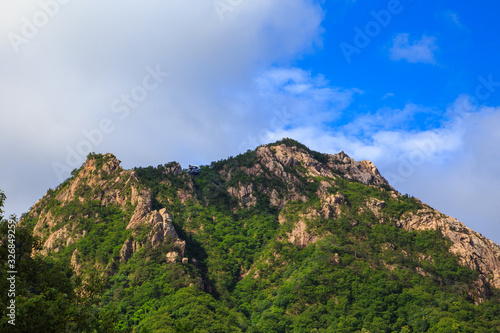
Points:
[(278, 239)]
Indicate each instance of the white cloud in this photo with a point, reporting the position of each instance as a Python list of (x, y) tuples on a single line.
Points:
[(467, 185), (284, 98), (66, 76), (454, 19), (387, 118), (418, 51)]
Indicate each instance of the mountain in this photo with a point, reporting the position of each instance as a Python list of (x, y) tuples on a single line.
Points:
[(278, 239)]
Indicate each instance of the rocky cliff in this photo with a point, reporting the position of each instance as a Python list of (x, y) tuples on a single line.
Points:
[(474, 250)]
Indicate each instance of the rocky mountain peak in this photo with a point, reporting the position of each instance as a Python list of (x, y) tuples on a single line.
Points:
[(291, 153), (107, 162), (100, 175), (364, 171), (58, 218), (296, 165)]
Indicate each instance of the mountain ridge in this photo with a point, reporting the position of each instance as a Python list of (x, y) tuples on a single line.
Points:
[(276, 158), (104, 219)]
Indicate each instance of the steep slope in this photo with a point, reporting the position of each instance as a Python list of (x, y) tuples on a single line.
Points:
[(277, 239), (475, 251), (101, 201)]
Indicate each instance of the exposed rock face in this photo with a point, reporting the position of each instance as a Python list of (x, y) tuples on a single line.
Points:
[(185, 195), (51, 243), (272, 163), (272, 160), (331, 205), (244, 194), (475, 251), (91, 177), (106, 182), (481, 290), (161, 226), (181, 246), (143, 203), (275, 199), (172, 257), (375, 206), (178, 254), (278, 158), (173, 168), (75, 261), (300, 236), (129, 247), (364, 171)]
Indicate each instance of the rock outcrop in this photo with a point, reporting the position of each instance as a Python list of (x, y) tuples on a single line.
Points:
[(475, 251), (364, 171), (244, 194), (143, 204), (161, 226), (100, 181), (97, 180), (128, 249), (375, 206), (300, 235), (275, 163), (75, 261), (331, 205), (173, 168)]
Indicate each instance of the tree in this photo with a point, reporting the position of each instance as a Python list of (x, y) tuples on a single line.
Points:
[(44, 293)]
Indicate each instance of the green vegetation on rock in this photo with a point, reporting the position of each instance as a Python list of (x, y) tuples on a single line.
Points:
[(268, 242)]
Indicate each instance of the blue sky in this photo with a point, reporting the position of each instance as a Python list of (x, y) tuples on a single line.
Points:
[(465, 38), (413, 86)]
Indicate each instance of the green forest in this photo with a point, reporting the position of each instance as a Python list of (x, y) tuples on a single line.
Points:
[(239, 271)]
